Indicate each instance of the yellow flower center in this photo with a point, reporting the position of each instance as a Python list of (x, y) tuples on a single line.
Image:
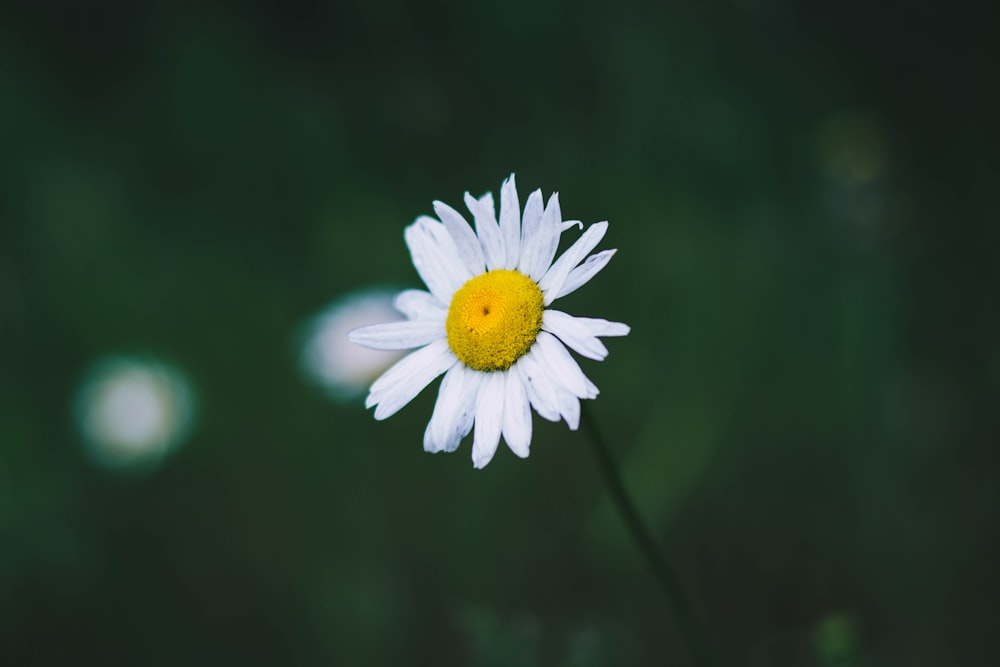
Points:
[(494, 319)]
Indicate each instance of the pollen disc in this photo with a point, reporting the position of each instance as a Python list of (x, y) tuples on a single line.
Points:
[(494, 319)]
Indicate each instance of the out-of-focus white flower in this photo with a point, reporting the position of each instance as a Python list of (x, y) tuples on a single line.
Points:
[(131, 412), (485, 323), (331, 361)]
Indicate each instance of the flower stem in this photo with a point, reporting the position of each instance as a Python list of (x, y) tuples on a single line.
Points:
[(681, 607)]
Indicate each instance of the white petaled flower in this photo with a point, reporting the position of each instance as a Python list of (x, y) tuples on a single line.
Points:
[(330, 361), (485, 323), (132, 412)]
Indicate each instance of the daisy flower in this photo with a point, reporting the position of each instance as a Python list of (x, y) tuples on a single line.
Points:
[(485, 323), (329, 360), (132, 412)]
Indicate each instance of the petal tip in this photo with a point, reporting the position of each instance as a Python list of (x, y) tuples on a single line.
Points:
[(519, 452)]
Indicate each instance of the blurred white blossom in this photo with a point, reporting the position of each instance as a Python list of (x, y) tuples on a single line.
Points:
[(131, 412), (331, 361)]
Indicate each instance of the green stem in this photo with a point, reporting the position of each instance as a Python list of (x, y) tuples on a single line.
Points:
[(683, 612)]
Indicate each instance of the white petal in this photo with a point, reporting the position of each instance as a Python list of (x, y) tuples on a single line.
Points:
[(510, 222), (538, 248), (552, 283), (398, 335), (473, 381), (407, 378), (569, 408), (574, 333), (541, 392), (551, 225), (531, 221), (489, 418), (582, 274), (565, 371), (516, 414), (435, 257), (566, 224), (486, 201), (420, 305), (604, 328), (454, 410), (488, 232), (531, 218), (465, 239)]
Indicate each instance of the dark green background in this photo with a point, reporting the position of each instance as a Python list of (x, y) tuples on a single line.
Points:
[(805, 203)]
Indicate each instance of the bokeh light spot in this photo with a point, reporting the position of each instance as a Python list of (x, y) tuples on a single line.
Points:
[(131, 412)]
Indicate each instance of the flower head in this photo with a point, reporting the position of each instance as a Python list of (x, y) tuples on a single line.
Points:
[(132, 412), (330, 361), (485, 323)]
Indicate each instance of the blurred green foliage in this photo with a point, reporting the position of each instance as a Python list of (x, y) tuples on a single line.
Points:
[(805, 203)]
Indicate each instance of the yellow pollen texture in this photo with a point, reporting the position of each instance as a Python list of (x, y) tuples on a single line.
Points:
[(494, 319)]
